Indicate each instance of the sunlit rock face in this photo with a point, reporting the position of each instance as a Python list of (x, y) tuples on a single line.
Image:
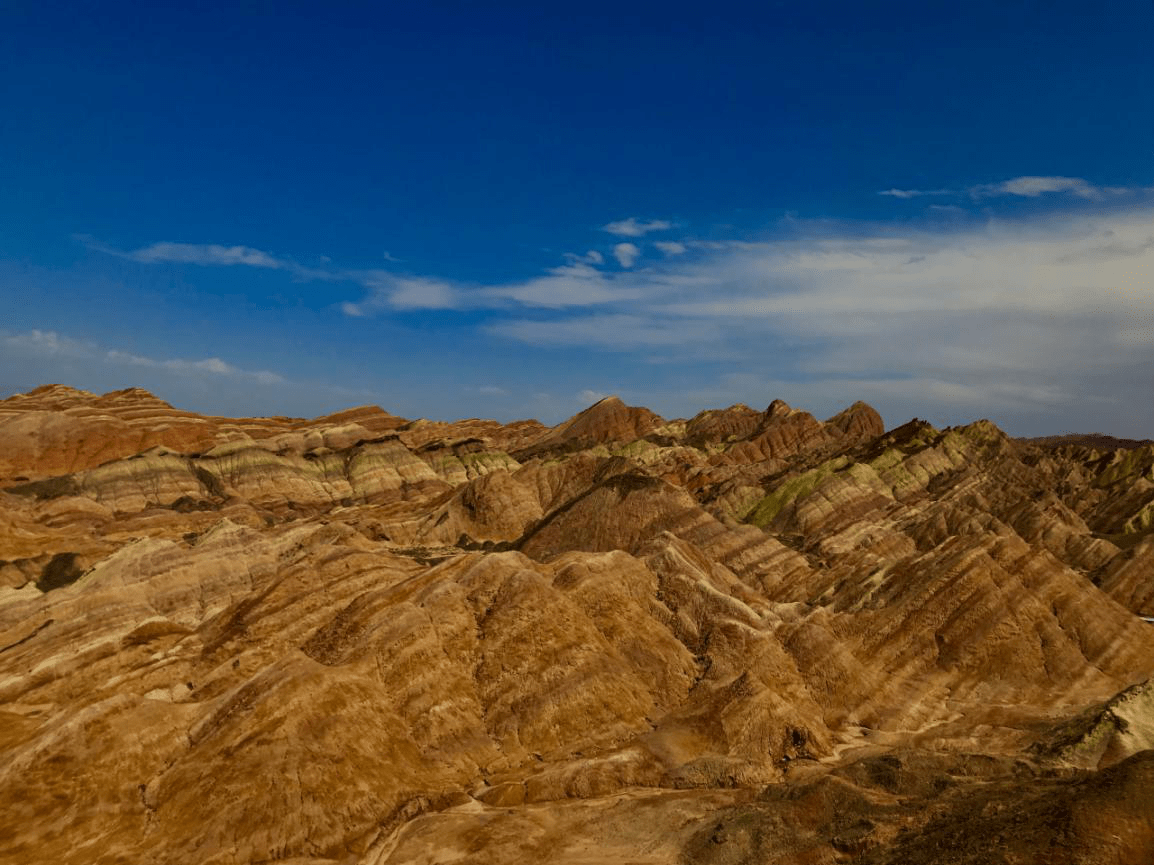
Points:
[(748, 636)]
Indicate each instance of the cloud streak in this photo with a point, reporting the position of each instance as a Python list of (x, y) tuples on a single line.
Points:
[(212, 255), (1032, 187), (1029, 186), (49, 344), (206, 254), (632, 227), (390, 292), (915, 193)]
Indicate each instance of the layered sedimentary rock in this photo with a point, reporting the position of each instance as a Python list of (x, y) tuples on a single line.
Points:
[(749, 636)]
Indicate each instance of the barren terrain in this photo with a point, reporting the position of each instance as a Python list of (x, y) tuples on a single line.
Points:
[(751, 636)]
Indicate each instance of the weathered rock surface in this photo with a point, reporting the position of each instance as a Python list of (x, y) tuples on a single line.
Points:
[(750, 636)]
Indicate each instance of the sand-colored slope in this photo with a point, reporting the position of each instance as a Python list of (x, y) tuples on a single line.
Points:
[(750, 636)]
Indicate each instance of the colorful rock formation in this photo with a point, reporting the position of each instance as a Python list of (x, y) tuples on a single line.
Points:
[(750, 636)]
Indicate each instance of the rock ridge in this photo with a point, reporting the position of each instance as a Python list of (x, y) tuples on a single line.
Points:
[(750, 635)]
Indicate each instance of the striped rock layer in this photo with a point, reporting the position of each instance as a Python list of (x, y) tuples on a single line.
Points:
[(747, 636)]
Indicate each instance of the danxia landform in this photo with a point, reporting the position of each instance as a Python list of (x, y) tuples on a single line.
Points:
[(750, 636)]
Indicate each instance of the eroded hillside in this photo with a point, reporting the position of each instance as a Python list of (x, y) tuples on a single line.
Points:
[(749, 636)]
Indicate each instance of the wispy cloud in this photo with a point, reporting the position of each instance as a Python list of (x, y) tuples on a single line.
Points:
[(671, 247), (576, 283), (619, 332), (572, 285), (49, 344), (1041, 317), (1032, 187), (632, 227), (386, 291), (212, 255), (46, 343), (915, 193), (1029, 186), (207, 254), (207, 366), (591, 257), (390, 292)]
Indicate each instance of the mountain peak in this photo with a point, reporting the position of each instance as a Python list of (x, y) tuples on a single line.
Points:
[(607, 420), (859, 421), (777, 409)]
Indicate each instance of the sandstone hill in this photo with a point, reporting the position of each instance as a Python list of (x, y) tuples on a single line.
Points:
[(747, 636)]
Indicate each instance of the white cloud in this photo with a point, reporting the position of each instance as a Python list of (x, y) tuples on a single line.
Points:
[(1039, 320), (588, 396), (217, 255), (49, 344), (1055, 266), (577, 283), (211, 365), (671, 247), (1028, 186), (46, 343), (492, 390), (1032, 187), (206, 254), (421, 294), (571, 285), (915, 193), (390, 292), (631, 227), (355, 310), (626, 254)]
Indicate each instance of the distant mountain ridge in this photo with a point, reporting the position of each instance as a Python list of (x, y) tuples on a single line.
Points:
[(1098, 441)]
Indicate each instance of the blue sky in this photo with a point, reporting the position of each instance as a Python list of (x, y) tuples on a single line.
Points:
[(507, 210)]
